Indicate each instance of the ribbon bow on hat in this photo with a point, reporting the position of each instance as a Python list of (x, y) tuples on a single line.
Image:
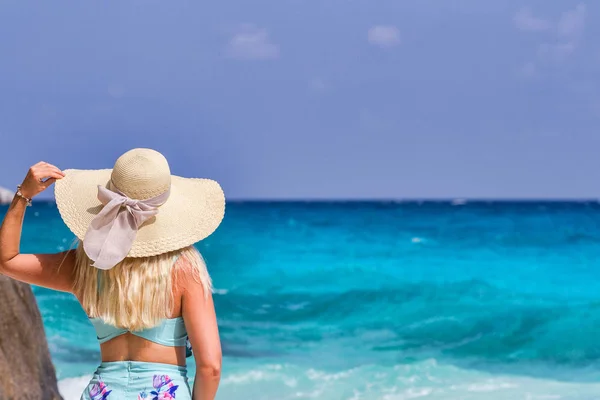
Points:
[(112, 232)]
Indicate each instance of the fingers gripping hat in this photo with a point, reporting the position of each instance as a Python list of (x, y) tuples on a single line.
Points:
[(138, 208)]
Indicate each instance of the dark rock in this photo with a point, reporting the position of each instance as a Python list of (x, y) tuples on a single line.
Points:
[(26, 370)]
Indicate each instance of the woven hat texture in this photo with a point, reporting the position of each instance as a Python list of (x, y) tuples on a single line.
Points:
[(193, 211)]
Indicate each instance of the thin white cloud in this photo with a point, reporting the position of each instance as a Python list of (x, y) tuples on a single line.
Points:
[(384, 36), (115, 91), (371, 121), (525, 21), (252, 43), (318, 85), (566, 32), (572, 23), (528, 70), (556, 52)]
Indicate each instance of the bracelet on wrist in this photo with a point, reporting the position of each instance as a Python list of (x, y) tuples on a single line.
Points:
[(19, 194)]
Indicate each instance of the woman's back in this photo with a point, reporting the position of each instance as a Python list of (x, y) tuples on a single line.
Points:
[(178, 280), (150, 293), (142, 288), (128, 346)]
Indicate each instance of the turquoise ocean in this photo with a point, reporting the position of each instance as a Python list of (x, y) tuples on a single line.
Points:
[(382, 300)]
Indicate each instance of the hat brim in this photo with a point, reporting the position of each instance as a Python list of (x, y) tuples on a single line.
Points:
[(194, 210)]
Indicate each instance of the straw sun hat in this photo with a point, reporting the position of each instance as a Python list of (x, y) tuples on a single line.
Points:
[(138, 208)]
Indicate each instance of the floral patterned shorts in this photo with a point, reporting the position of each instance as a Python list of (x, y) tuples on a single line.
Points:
[(138, 380)]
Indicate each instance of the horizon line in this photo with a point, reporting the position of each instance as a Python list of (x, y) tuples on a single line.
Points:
[(456, 200)]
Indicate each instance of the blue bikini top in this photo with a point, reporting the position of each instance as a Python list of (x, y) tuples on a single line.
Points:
[(170, 332)]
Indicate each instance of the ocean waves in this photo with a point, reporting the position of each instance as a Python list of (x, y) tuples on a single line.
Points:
[(470, 323), (371, 301), (427, 379)]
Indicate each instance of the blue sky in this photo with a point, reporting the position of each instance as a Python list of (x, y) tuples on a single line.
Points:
[(311, 99)]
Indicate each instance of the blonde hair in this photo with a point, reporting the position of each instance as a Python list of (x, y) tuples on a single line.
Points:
[(138, 292)]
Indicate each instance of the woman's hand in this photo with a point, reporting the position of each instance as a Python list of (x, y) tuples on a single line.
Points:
[(53, 271), (39, 177)]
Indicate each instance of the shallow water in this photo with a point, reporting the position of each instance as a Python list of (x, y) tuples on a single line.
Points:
[(383, 300)]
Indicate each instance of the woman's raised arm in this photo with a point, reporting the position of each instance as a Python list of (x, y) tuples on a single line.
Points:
[(54, 271)]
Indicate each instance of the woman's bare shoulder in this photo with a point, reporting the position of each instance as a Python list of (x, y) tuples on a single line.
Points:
[(187, 277)]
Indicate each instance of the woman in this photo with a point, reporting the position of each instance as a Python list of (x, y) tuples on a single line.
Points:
[(135, 271)]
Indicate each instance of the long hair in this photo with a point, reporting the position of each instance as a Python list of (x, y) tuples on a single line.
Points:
[(138, 292)]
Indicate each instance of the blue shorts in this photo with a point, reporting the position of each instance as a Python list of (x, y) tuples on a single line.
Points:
[(138, 380)]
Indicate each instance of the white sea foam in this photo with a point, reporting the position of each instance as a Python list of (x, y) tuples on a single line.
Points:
[(297, 306), (423, 380), (428, 379), (246, 377), (71, 388), (490, 386)]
